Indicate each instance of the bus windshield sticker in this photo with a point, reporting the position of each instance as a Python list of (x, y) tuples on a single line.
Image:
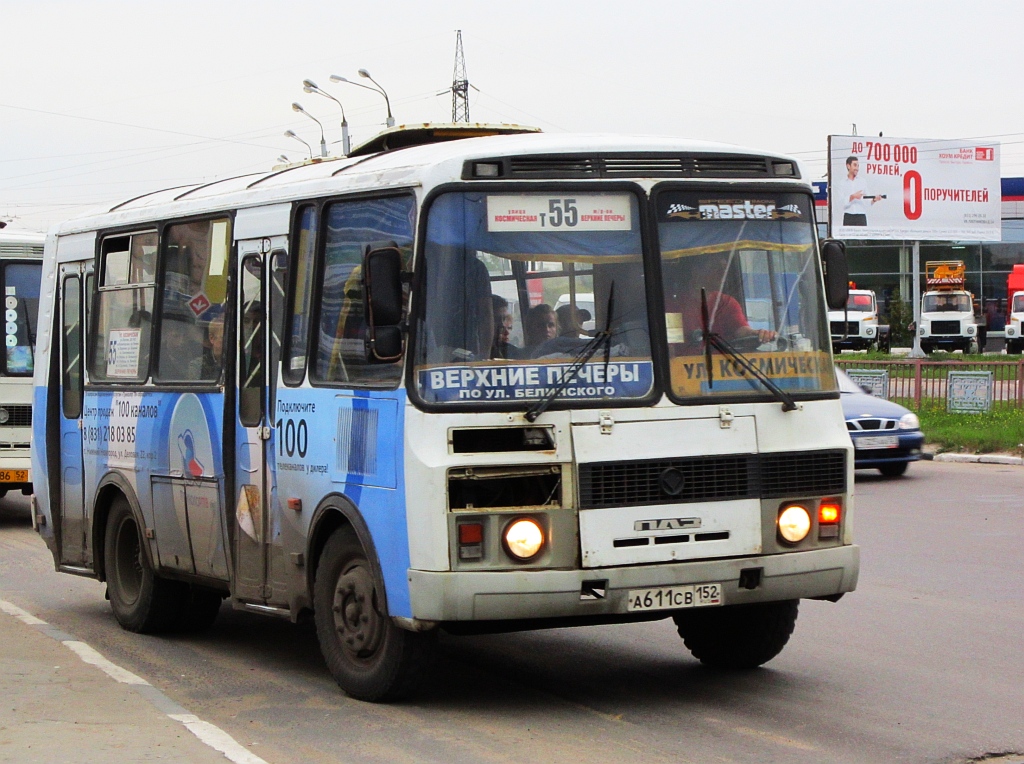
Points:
[(623, 379), (540, 212), (123, 353)]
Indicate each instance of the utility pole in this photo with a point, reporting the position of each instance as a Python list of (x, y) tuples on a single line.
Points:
[(460, 84)]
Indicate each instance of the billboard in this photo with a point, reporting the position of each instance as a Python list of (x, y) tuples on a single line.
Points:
[(913, 189)]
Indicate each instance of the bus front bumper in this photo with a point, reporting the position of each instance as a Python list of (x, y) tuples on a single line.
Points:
[(521, 594)]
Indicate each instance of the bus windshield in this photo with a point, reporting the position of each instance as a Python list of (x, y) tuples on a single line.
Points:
[(20, 287), (517, 285), (750, 258)]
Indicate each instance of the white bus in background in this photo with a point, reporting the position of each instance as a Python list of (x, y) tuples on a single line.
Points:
[(291, 399), (21, 256)]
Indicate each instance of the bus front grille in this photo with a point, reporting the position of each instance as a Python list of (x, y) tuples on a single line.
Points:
[(17, 415), (711, 478)]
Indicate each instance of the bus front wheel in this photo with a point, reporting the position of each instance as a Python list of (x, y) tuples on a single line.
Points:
[(737, 636), (142, 601), (369, 657)]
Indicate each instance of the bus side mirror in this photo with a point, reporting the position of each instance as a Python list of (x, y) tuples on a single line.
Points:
[(382, 285), (837, 273)]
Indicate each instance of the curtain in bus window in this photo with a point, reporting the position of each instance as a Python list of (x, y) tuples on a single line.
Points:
[(353, 227), (194, 277), (21, 310)]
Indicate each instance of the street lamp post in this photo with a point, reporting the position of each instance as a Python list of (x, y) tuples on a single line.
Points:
[(323, 141), (291, 134), (311, 87), (378, 89)]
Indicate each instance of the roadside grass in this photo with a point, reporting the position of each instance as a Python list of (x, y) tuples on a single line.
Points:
[(1001, 430)]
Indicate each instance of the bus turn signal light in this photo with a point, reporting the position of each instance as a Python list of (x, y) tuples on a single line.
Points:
[(471, 541), (828, 512)]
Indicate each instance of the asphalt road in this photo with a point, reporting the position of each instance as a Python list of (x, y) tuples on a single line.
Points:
[(923, 663)]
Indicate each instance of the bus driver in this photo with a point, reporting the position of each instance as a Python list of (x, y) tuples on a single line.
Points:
[(726, 316)]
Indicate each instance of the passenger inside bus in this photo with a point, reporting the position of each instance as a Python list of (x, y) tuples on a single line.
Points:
[(570, 321), (503, 347), (540, 326), (460, 319), (213, 350)]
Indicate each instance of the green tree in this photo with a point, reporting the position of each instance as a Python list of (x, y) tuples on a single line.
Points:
[(900, 317)]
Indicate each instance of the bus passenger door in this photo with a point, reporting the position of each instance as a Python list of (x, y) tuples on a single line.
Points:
[(73, 523), (257, 514)]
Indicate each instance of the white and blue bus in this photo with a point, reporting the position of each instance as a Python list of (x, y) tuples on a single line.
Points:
[(21, 262), (304, 390)]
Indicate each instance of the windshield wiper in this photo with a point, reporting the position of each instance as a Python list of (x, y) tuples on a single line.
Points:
[(588, 351), (718, 342)]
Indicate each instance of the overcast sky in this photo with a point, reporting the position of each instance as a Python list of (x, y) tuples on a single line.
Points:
[(104, 100)]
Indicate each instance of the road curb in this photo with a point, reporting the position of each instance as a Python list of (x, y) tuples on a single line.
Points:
[(975, 459)]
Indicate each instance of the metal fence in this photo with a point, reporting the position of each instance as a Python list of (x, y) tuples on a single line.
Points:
[(916, 383)]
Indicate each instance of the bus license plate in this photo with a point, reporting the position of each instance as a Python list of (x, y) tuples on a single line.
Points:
[(674, 597), (13, 476), (877, 441)]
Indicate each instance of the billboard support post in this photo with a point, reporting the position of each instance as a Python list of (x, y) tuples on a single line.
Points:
[(916, 351)]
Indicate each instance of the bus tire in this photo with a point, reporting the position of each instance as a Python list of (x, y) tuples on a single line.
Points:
[(737, 636), (142, 601), (370, 658)]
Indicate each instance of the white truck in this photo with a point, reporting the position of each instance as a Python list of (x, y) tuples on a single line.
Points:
[(948, 321), (1014, 341), (857, 327), (1015, 310)]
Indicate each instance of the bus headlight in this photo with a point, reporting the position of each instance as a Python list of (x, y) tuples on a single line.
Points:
[(4, 415), (971, 329), (794, 523), (524, 538)]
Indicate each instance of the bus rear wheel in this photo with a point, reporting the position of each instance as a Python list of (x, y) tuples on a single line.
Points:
[(737, 636), (142, 601), (370, 658)]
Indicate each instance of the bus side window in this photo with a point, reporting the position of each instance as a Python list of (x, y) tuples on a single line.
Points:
[(251, 342), (72, 362), (341, 347), (297, 327), (194, 275), (119, 346)]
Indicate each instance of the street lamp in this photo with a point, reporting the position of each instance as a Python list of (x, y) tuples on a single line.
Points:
[(311, 87), (378, 89), (323, 142), (291, 134)]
